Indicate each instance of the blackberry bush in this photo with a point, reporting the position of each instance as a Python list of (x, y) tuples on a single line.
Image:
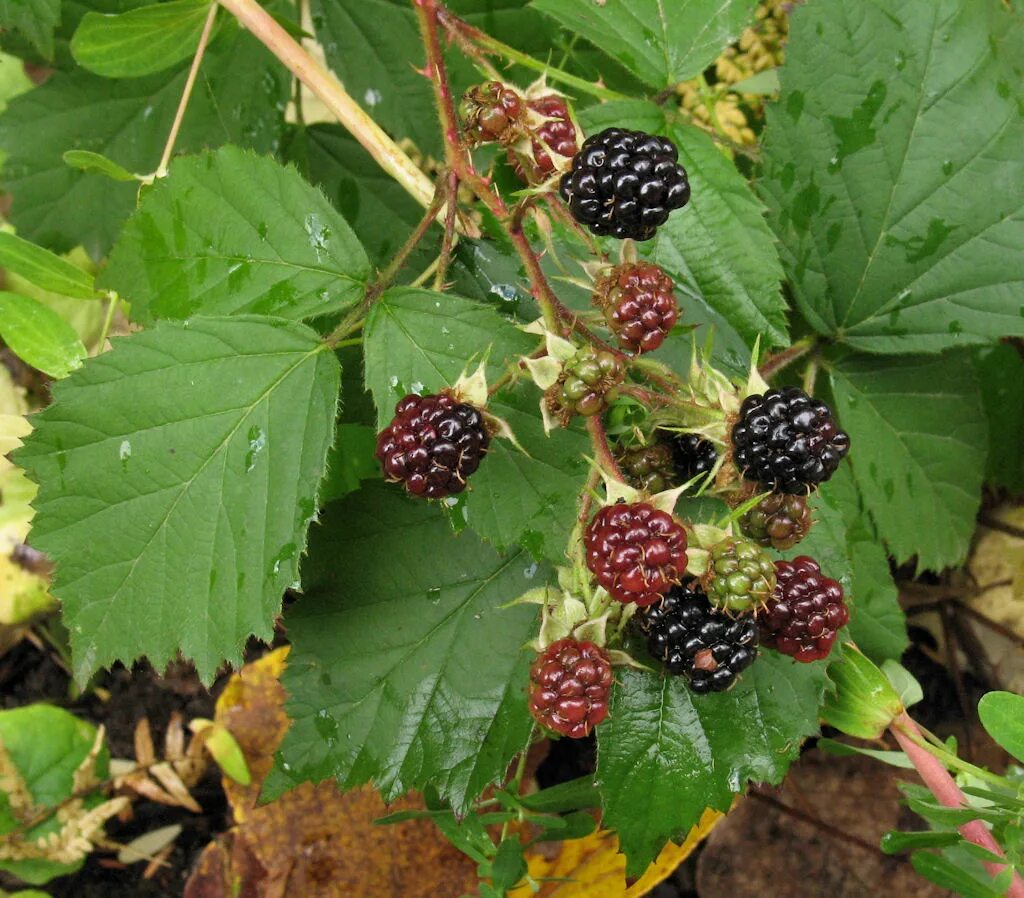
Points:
[(214, 298)]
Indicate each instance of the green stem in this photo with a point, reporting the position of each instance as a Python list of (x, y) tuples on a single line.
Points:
[(107, 321), (172, 137), (324, 85), (454, 24)]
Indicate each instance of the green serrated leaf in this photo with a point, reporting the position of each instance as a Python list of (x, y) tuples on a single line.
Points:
[(85, 161), (918, 437), (178, 474), (44, 269), (46, 745), (39, 336), (34, 19), (405, 668), (662, 42), (350, 461), (231, 232), (718, 248), (238, 99), (1001, 379), (141, 41), (895, 184), (529, 498), (1002, 715), (421, 341), (673, 753)]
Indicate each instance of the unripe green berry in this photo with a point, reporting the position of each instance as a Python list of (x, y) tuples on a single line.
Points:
[(740, 575)]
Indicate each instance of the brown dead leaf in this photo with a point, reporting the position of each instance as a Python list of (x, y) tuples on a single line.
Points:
[(252, 708)]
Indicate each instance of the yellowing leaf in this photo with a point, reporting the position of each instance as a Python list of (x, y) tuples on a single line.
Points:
[(597, 869)]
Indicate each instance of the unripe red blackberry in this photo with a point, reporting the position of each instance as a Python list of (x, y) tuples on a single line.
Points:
[(787, 442), (779, 520), (556, 134), (492, 112), (636, 551), (694, 455), (570, 684), (805, 613), (740, 575), (693, 639), (650, 468), (586, 385), (432, 444), (625, 183), (639, 303)]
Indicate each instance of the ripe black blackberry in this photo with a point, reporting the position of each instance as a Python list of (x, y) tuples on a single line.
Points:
[(787, 442), (432, 444), (625, 183), (693, 639), (694, 455)]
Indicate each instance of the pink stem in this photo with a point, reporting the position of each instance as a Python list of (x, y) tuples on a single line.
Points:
[(945, 789)]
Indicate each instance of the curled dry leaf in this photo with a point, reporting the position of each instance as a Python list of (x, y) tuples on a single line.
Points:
[(164, 780), (313, 840)]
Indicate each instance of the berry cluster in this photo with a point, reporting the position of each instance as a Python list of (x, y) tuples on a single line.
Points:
[(625, 183), (651, 468), (635, 551), (569, 687), (585, 385), (740, 575), (639, 303), (432, 444)]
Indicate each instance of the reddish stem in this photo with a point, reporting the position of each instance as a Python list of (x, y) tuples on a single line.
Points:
[(948, 793), (602, 450)]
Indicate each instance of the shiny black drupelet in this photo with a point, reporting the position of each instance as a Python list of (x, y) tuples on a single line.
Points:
[(625, 183), (697, 641), (787, 442)]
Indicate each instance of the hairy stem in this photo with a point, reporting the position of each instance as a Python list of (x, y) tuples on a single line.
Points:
[(602, 450), (324, 85), (779, 360), (172, 137), (948, 793)]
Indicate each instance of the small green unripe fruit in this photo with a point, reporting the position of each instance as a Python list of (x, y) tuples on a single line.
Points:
[(740, 575)]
